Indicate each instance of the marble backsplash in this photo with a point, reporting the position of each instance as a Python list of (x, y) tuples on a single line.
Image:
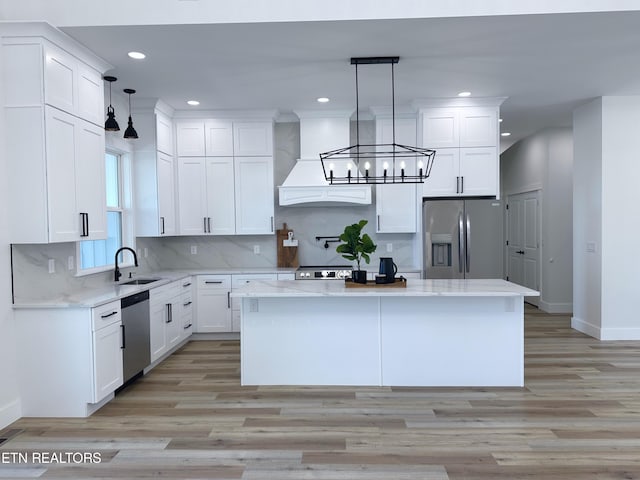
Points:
[(32, 280)]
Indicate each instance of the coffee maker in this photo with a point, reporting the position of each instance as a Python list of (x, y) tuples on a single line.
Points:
[(387, 271)]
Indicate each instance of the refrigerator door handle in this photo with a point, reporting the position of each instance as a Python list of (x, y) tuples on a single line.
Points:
[(460, 242), (467, 244)]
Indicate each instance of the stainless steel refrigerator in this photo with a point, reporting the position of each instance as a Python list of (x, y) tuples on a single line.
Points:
[(463, 238)]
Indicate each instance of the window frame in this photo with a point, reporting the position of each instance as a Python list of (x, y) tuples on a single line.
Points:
[(125, 193)]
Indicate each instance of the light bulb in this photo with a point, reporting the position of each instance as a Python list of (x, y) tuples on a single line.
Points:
[(402, 164), (367, 166), (385, 165), (420, 164), (349, 166)]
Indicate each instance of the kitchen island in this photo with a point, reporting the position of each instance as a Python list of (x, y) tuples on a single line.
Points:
[(431, 333)]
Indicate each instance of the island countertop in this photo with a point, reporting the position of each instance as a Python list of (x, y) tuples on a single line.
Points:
[(414, 288)]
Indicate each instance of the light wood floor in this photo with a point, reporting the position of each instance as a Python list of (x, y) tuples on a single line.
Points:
[(578, 417)]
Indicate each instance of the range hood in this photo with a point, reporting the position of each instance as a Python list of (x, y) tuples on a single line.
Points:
[(306, 185)]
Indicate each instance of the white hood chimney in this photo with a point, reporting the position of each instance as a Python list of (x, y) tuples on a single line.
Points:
[(306, 184)]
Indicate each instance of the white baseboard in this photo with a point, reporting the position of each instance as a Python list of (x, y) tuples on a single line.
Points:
[(630, 333), (585, 327), (216, 336), (555, 307), (10, 412)]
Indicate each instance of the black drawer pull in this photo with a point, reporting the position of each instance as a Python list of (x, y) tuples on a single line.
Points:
[(109, 315)]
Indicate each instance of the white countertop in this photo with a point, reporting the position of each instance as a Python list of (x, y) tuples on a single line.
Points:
[(414, 288), (94, 297)]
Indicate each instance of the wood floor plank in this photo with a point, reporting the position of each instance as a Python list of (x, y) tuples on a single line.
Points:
[(577, 418)]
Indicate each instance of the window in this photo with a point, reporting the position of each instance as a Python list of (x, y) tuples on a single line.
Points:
[(98, 255)]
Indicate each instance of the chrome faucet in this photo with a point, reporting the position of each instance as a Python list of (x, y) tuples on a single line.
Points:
[(117, 273)]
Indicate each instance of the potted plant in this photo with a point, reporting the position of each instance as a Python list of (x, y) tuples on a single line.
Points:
[(356, 246)]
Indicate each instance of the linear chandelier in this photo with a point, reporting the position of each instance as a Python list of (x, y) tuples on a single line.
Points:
[(399, 163)]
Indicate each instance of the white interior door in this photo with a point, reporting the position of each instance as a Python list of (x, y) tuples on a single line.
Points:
[(523, 240)]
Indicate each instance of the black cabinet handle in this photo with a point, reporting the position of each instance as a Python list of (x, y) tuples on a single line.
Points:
[(204, 224), (169, 313), (108, 315), (461, 184), (207, 282), (228, 299), (187, 304), (162, 225), (186, 327), (84, 222), (122, 335), (185, 285)]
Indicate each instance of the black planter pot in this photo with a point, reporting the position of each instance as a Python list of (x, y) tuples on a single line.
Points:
[(359, 276)]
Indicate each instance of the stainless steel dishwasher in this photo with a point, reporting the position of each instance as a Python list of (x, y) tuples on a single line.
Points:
[(136, 350)]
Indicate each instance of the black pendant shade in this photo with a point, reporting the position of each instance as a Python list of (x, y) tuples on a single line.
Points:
[(130, 132), (110, 125)]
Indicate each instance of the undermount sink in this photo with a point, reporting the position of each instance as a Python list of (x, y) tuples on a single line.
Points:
[(140, 281)]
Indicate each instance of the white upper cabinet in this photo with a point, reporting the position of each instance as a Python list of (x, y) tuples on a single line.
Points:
[(460, 127), (396, 205), (164, 134), (190, 138), (478, 127), (224, 192), (154, 174), (252, 138), (466, 141), (192, 196), (218, 138), (441, 128), (220, 195), (254, 195), (54, 113)]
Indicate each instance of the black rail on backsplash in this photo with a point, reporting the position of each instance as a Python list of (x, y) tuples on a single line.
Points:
[(328, 240)]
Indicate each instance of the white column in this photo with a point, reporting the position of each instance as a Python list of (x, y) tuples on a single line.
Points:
[(606, 218)]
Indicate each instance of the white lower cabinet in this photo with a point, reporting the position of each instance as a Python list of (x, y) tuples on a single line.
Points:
[(213, 305), (166, 316), (107, 350), (186, 308), (70, 359)]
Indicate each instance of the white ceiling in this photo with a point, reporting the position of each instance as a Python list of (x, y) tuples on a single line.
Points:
[(544, 64)]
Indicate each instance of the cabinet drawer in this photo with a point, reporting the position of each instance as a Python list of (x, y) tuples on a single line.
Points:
[(240, 280), (209, 282), (165, 292), (105, 315)]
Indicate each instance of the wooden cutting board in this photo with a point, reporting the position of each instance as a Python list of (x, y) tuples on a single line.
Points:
[(287, 256)]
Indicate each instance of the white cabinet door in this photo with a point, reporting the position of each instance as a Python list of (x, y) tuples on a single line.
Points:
[(396, 204), (64, 220), (440, 128), (186, 313), (107, 360), (59, 78), (166, 194), (192, 195), (213, 304), (90, 180), (190, 138), (443, 180), (218, 138), (90, 95), (158, 331), (220, 195), (173, 322), (478, 171), (254, 195), (478, 127), (253, 138), (164, 134)]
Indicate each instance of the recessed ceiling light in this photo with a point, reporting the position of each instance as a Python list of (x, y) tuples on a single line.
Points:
[(464, 94), (136, 55), (505, 134), (193, 103), (323, 99), (500, 120)]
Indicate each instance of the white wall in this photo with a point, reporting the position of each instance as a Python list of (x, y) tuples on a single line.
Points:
[(587, 218), (9, 394), (620, 218), (544, 162)]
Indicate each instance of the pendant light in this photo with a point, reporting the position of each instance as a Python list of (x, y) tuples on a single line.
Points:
[(110, 125), (393, 156), (130, 132)]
